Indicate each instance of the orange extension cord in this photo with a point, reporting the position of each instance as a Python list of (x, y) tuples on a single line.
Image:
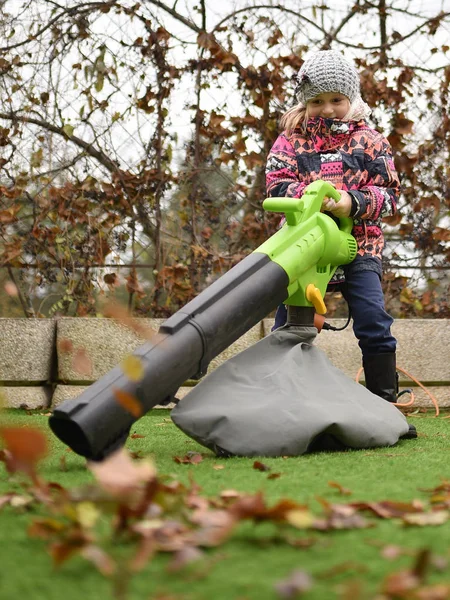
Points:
[(401, 404)]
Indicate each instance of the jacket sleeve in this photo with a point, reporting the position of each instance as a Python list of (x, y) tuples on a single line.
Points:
[(378, 198), (282, 176)]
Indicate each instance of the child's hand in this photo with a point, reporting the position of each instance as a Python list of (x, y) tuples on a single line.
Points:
[(341, 208)]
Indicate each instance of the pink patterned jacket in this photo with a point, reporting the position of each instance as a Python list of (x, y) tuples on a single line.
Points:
[(350, 155)]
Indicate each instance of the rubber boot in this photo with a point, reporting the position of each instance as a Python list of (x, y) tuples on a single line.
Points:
[(381, 376)]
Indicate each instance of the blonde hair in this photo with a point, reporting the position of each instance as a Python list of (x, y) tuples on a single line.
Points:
[(297, 116), (294, 118)]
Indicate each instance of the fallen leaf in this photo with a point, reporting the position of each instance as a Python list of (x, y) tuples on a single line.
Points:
[(26, 446), (136, 436), (438, 517), (296, 584), (342, 490), (183, 557), (392, 552), (259, 466), (98, 557), (218, 467), (191, 458), (120, 475)]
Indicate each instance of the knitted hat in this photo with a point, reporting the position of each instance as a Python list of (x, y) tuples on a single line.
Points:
[(327, 71)]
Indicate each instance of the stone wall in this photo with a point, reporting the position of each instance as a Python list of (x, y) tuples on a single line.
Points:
[(45, 361)]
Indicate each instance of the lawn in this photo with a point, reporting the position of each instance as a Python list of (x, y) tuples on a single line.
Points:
[(259, 560)]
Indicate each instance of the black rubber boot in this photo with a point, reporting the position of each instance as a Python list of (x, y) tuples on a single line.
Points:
[(381, 376)]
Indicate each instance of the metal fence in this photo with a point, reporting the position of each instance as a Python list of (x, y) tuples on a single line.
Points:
[(104, 91)]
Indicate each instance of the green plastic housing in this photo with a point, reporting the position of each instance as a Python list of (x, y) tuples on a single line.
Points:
[(310, 245)]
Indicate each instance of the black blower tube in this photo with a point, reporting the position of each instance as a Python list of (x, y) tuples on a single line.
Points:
[(95, 424)]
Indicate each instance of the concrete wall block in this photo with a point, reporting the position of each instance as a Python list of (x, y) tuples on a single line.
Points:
[(421, 351), (27, 349), (423, 348), (104, 341), (422, 400), (29, 398)]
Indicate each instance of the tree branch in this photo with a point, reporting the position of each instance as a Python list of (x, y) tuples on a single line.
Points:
[(86, 146)]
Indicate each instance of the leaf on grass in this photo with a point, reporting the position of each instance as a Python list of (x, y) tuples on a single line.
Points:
[(119, 475), (87, 514), (26, 446), (400, 584), (214, 527), (98, 557), (342, 490), (295, 585), (133, 368), (129, 402), (136, 436), (45, 528), (274, 476), (259, 466), (391, 552), (388, 509), (218, 467), (184, 557), (301, 519), (62, 551), (191, 458), (15, 500), (438, 517), (230, 494)]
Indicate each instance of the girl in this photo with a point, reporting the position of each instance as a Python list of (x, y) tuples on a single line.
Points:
[(327, 137)]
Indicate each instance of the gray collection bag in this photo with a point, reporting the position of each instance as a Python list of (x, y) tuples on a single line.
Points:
[(283, 397)]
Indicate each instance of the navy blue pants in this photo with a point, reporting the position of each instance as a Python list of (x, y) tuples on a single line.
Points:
[(371, 323)]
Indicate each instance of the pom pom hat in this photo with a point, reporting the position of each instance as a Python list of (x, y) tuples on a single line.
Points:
[(327, 71)]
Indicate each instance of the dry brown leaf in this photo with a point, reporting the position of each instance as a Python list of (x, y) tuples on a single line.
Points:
[(121, 314), (438, 517), (191, 458), (129, 402), (259, 466), (295, 585), (98, 557), (215, 526), (119, 475), (342, 490), (25, 447), (183, 557)]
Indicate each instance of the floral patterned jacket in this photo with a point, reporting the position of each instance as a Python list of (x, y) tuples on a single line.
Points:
[(350, 155)]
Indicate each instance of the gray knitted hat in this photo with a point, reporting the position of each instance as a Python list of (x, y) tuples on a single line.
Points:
[(327, 71)]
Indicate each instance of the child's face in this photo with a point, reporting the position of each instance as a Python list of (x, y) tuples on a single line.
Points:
[(330, 105)]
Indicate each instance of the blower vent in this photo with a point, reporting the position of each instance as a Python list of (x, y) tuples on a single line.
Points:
[(352, 248)]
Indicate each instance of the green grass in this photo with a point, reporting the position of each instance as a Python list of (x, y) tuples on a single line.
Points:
[(254, 559)]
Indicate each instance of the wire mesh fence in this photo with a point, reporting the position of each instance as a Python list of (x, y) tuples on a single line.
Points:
[(133, 140)]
